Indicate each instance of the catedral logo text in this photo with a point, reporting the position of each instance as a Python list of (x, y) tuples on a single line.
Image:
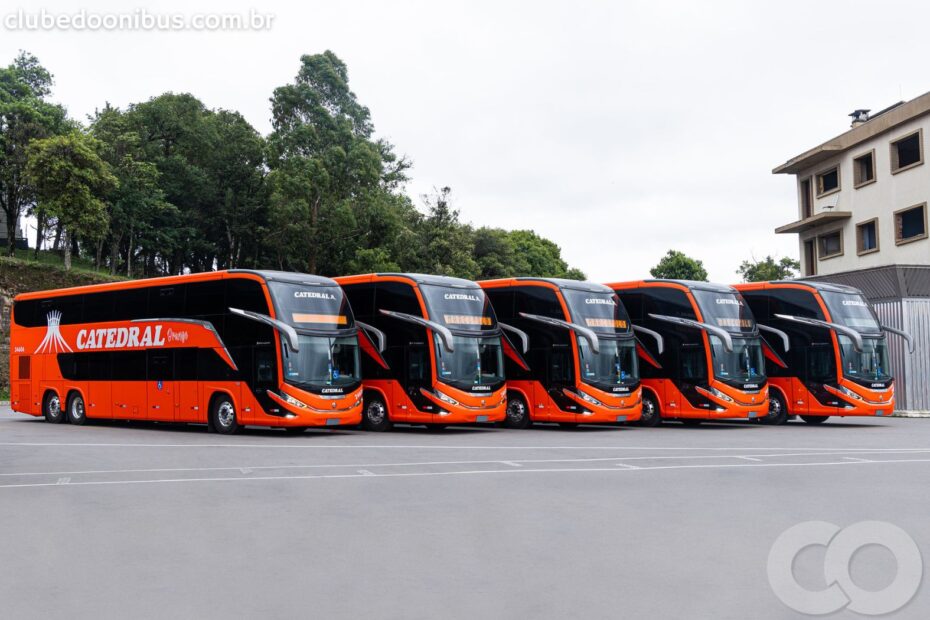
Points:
[(313, 295), (128, 337)]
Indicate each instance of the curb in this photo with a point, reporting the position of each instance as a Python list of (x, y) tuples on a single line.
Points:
[(911, 414)]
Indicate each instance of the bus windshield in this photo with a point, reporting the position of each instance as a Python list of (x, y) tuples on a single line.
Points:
[(870, 364), (475, 361), (851, 310), (615, 364), (311, 307), (743, 363), (322, 361), (600, 311), (459, 308), (725, 309)]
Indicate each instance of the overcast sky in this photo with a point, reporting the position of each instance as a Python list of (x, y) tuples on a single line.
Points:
[(617, 129)]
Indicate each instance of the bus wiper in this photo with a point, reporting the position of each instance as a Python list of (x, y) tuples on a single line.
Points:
[(854, 335), (723, 334), (289, 332), (444, 334), (584, 332)]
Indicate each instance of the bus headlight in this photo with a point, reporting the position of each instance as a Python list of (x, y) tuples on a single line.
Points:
[(847, 392), (589, 399), (290, 400), (720, 395), (446, 399)]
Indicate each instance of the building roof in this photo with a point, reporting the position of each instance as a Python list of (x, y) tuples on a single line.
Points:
[(879, 123), (818, 219)]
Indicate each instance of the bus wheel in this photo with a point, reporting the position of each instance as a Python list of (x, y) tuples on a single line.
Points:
[(691, 421), (51, 408), (778, 411), (518, 414), (76, 412), (375, 416), (650, 415), (223, 415), (815, 419)]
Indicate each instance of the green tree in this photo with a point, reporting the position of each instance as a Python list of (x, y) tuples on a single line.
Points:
[(324, 164), (676, 265), (446, 245), (71, 181), (25, 115), (769, 268)]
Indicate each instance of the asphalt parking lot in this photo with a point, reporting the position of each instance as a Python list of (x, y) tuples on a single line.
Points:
[(152, 521)]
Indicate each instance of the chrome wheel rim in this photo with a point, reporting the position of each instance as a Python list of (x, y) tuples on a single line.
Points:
[(649, 409), (225, 414), (516, 411), (77, 408), (54, 406), (774, 407), (375, 413)]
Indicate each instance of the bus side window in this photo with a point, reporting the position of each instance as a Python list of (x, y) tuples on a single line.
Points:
[(416, 362), (25, 365), (820, 366), (693, 363), (160, 365), (264, 367), (560, 364)]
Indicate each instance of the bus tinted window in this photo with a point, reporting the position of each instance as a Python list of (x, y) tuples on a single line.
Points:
[(540, 300), (166, 302), (130, 304), (312, 307), (851, 310), (601, 312), (206, 298), (668, 302), (99, 306), (795, 302), (726, 310), (399, 297), (459, 308)]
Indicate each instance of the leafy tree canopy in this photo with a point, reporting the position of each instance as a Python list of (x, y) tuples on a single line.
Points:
[(769, 268), (677, 265)]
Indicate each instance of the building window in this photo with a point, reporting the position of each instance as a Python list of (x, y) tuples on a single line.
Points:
[(907, 152), (910, 224), (830, 244), (828, 182), (867, 237), (864, 169)]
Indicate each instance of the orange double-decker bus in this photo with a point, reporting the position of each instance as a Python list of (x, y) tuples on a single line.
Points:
[(832, 353), (704, 351), (438, 359), (575, 359), (226, 349)]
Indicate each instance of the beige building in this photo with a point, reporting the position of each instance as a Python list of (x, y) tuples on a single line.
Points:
[(862, 221)]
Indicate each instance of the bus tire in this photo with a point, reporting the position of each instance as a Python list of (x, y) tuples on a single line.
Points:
[(651, 415), (77, 412), (778, 410), (375, 415), (51, 408), (223, 415), (518, 414), (815, 419)]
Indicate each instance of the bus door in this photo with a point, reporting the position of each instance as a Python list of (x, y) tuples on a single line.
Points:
[(188, 405), (560, 375), (417, 376), (820, 368), (161, 394), (692, 372)]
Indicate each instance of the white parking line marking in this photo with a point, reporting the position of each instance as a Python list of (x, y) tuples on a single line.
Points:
[(63, 480), (852, 458), (365, 472), (513, 463), (521, 470), (441, 447), (628, 466)]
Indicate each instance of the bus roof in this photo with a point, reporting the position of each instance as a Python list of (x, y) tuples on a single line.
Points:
[(417, 278), (578, 285), (281, 276), (812, 284), (689, 284)]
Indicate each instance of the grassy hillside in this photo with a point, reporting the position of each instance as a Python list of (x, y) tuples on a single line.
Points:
[(21, 275)]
